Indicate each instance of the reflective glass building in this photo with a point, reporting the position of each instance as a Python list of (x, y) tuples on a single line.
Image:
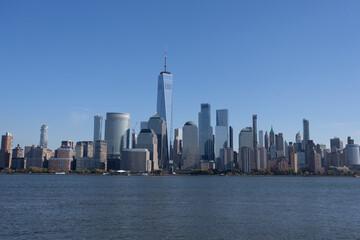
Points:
[(117, 132), (221, 132), (164, 101), (206, 144)]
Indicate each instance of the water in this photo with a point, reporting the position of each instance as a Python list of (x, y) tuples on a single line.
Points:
[(179, 207)]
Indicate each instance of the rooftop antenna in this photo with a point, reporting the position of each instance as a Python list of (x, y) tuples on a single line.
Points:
[(165, 60)]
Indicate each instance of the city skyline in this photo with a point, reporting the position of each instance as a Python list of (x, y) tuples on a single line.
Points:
[(284, 62)]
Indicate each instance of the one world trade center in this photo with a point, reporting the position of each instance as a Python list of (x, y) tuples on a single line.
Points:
[(165, 104)]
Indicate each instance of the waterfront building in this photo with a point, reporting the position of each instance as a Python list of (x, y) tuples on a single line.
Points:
[(148, 139), (44, 136), (190, 154), (336, 144), (158, 124), (165, 102), (117, 133), (5, 152), (18, 161), (84, 149), (136, 160), (221, 133), (352, 155), (37, 156), (336, 159), (206, 144), (64, 157)]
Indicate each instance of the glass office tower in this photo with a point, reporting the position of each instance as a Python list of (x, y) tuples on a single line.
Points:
[(164, 100)]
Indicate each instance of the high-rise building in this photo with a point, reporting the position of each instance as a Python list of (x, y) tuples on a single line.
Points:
[(148, 139), (18, 161), (255, 143), (336, 144), (44, 136), (280, 150), (84, 149), (306, 131), (165, 102), (117, 133), (245, 141), (221, 133), (136, 160), (205, 133), (177, 147), (98, 127), (5, 152), (352, 156), (231, 137), (261, 138), (190, 154), (158, 124), (298, 138), (266, 140), (272, 137), (100, 151)]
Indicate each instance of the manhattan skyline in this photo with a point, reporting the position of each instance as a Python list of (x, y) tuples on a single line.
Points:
[(62, 63)]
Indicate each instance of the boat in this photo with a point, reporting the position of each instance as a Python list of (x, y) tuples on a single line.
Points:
[(357, 176), (59, 173), (144, 174)]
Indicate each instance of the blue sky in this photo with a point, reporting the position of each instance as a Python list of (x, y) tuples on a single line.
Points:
[(61, 62)]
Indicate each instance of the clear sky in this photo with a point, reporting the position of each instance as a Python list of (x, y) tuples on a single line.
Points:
[(62, 62)]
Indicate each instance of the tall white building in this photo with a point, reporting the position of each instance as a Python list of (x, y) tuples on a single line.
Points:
[(44, 136)]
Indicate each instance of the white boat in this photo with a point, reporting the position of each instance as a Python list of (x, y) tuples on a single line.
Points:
[(144, 174), (60, 173)]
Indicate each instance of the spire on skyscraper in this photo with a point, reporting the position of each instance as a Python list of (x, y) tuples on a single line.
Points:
[(165, 60)]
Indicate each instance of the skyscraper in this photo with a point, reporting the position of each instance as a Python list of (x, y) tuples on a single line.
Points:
[(164, 101), (221, 132), (256, 163), (147, 139), (117, 133), (205, 133), (272, 137), (266, 140), (261, 138), (5, 152), (97, 127), (190, 155), (231, 137), (306, 131), (336, 144), (158, 124), (44, 136)]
